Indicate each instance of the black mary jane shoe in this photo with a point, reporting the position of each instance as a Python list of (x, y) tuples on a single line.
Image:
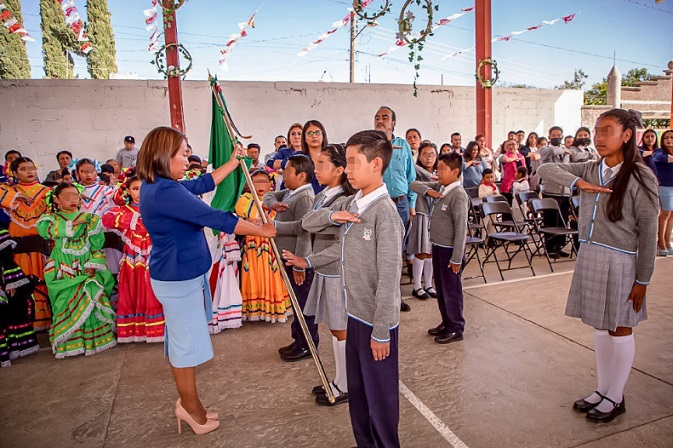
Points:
[(597, 416), (322, 399), (584, 406), (436, 331), (420, 294), (431, 292)]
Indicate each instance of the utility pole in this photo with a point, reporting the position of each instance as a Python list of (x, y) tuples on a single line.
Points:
[(484, 95), (352, 58), (173, 60)]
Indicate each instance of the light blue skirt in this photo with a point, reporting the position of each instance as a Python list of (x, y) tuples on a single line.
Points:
[(187, 341), (666, 198)]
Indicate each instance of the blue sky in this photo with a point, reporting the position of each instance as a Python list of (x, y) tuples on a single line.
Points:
[(640, 31)]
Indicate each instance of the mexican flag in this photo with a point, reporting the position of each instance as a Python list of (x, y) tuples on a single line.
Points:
[(221, 148)]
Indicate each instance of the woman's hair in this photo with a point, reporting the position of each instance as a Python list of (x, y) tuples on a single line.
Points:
[(81, 162), (294, 125), (15, 164), (583, 128), (467, 155), (423, 145), (543, 138), (406, 134), (656, 140), (58, 154), (630, 166), (529, 136), (304, 145), (336, 154), (663, 148), (156, 152), (441, 148), (57, 191)]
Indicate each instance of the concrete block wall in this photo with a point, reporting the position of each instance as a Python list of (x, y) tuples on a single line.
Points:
[(91, 117)]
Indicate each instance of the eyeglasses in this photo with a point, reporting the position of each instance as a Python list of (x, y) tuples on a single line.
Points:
[(312, 133)]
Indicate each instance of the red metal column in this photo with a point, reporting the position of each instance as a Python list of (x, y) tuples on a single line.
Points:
[(483, 44), (173, 60)]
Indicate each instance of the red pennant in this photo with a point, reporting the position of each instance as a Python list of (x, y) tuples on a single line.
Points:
[(567, 19)]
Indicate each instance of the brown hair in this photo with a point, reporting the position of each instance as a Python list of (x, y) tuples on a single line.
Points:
[(156, 152), (294, 125)]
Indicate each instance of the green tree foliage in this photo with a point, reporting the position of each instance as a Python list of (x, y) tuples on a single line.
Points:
[(59, 43), (576, 83), (598, 93), (102, 59), (13, 56)]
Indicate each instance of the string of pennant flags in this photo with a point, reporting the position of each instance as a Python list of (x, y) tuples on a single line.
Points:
[(335, 27), (234, 38), (74, 22), (12, 24), (151, 22)]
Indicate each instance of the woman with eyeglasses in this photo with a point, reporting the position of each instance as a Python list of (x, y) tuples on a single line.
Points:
[(313, 140)]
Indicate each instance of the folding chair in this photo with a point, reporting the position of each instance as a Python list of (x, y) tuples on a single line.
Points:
[(506, 220), (542, 207), (522, 199), (502, 238), (472, 245)]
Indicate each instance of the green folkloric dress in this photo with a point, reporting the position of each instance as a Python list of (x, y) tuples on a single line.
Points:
[(83, 320)]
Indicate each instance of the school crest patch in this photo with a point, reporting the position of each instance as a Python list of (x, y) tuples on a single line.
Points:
[(367, 235), (444, 207)]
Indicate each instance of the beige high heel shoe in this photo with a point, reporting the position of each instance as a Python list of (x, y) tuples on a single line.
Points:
[(210, 415), (198, 429)]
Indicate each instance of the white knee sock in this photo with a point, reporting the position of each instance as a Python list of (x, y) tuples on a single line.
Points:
[(340, 364), (623, 352), (418, 273), (427, 273), (603, 351)]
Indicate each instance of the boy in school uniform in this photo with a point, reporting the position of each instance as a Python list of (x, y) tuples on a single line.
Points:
[(369, 247), (291, 204), (448, 231)]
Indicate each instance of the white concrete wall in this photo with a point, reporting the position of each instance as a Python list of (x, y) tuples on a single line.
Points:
[(90, 117)]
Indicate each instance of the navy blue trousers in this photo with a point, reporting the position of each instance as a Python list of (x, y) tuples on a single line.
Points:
[(449, 287), (301, 291), (373, 389)]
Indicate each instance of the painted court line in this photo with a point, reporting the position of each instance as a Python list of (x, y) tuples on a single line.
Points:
[(432, 418), (555, 274)]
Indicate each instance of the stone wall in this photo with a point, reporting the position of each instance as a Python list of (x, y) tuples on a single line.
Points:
[(91, 117)]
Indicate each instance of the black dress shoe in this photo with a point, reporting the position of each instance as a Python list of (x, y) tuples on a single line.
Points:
[(296, 354), (322, 399), (584, 406), (431, 292), (597, 416), (405, 306), (447, 338), (318, 390), (438, 330), (287, 348), (420, 294)]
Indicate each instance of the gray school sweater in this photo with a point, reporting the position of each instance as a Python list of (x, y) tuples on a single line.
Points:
[(290, 235), (371, 263), (636, 233), (423, 203), (448, 221), (552, 155), (323, 240)]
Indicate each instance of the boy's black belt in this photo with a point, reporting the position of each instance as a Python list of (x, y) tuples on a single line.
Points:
[(399, 198)]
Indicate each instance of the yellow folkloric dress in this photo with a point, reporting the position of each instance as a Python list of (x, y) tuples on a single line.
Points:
[(264, 294), (24, 218), (83, 318)]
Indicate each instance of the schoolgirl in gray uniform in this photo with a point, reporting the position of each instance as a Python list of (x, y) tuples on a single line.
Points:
[(325, 299), (618, 232)]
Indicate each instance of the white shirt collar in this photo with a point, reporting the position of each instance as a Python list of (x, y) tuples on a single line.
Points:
[(293, 192), (362, 202), (615, 169), (452, 186), (329, 193)]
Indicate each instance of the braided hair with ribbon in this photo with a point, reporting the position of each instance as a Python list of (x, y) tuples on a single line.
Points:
[(56, 191)]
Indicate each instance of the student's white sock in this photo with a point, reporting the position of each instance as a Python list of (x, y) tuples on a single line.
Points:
[(623, 352), (340, 379), (427, 273), (410, 257), (603, 352), (418, 273)]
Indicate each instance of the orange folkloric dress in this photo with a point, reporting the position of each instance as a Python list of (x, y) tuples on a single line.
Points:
[(24, 219), (140, 316)]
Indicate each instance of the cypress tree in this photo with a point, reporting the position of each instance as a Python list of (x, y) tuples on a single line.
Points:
[(102, 59), (56, 39), (13, 56)]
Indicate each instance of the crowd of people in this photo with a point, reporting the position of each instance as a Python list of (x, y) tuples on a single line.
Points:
[(346, 217)]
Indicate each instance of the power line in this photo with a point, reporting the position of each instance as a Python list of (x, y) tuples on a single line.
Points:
[(649, 6)]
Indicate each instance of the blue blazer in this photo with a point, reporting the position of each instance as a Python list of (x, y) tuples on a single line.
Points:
[(175, 218)]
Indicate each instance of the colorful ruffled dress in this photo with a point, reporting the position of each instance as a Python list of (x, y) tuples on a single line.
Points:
[(140, 316), (97, 199), (17, 336), (227, 299), (83, 320), (24, 218), (265, 296)]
